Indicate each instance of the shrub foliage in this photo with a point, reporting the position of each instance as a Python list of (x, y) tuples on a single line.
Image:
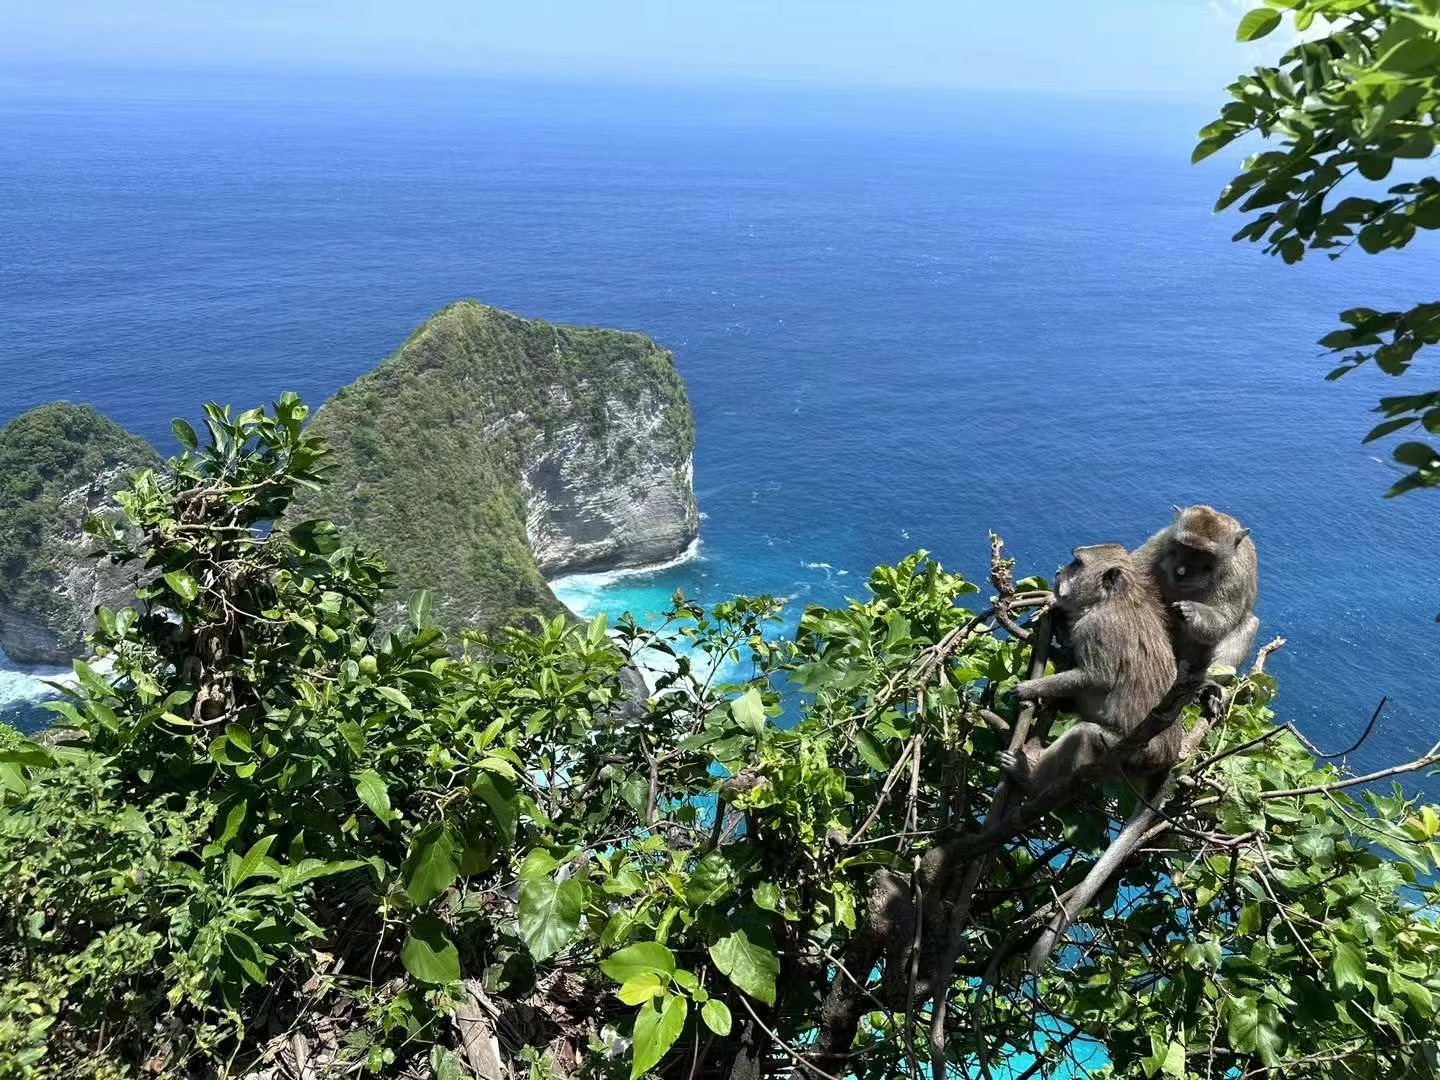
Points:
[(266, 838)]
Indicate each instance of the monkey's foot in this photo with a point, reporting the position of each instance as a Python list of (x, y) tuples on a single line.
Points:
[(1211, 696)]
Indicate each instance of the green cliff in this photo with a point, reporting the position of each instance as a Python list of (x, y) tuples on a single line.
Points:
[(491, 451), (58, 463)]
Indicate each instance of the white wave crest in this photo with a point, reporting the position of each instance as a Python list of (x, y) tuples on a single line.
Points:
[(582, 593)]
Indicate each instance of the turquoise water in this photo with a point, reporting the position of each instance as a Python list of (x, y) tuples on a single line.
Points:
[(904, 320)]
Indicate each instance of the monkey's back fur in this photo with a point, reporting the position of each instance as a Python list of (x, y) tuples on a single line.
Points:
[(1121, 640)]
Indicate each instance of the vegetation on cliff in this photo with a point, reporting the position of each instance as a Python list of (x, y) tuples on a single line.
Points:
[(46, 456), (279, 841), (430, 448)]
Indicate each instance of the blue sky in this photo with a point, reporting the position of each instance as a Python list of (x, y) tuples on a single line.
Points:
[(1170, 48)]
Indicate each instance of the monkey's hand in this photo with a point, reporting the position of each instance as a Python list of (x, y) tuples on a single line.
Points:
[(1029, 690), (1201, 620)]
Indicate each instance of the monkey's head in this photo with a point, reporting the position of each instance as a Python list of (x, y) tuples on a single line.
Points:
[(1097, 573), (1202, 542)]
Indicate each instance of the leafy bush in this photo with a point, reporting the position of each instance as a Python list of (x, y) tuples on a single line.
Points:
[(267, 838)]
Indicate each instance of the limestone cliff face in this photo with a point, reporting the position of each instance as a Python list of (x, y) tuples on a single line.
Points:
[(491, 451), (624, 499), (59, 464)]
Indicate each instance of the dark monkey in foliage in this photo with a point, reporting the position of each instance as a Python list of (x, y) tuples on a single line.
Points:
[(1203, 566), (1123, 667)]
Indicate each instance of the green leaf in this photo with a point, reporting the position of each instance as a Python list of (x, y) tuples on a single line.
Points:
[(246, 952), (1174, 1063), (90, 678), (233, 820), (499, 796), (749, 711), (549, 913), (389, 693), (641, 958), (422, 603), (1347, 968), (1207, 146), (432, 865), (26, 752), (767, 896), (374, 793), (317, 536), (711, 880), (641, 988), (1415, 454), (239, 737), (182, 585), (871, 752), (716, 1015), (1379, 431), (184, 434), (354, 737), (656, 1029), (310, 869), (1252, 1026), (247, 865), (445, 1064), (12, 779), (1256, 24), (429, 954), (749, 966)]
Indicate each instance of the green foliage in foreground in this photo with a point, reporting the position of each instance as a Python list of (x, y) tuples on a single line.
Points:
[(1344, 108), (45, 454), (270, 839)]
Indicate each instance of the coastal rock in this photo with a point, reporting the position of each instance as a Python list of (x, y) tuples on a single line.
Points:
[(581, 515), (491, 451), (59, 463)]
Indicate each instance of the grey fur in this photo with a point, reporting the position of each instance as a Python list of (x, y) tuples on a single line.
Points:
[(1124, 666), (1203, 566)]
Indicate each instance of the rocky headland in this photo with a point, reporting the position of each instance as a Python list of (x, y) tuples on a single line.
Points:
[(488, 453), (491, 452)]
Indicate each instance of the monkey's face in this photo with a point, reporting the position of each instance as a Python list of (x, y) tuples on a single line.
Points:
[(1189, 569), (1090, 578)]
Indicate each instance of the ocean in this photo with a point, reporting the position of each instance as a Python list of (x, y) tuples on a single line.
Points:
[(904, 320)]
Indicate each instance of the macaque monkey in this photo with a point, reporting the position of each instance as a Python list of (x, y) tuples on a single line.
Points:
[(1203, 566), (1124, 665)]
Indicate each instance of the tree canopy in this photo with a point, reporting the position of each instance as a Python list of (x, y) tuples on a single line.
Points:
[(1339, 111)]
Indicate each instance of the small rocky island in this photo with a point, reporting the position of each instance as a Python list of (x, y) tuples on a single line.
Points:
[(486, 454)]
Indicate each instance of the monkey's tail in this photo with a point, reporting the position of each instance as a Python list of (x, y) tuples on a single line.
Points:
[(1079, 899)]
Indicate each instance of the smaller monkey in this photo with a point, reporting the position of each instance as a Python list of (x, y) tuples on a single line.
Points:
[(1204, 568), (1124, 665)]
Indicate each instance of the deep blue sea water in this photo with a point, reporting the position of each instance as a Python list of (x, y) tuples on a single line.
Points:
[(904, 320)]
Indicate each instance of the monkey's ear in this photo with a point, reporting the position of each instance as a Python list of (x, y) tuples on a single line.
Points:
[(1241, 538), (1178, 510), (1112, 578)]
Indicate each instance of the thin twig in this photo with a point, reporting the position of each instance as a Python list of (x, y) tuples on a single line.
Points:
[(1430, 758), (797, 1058)]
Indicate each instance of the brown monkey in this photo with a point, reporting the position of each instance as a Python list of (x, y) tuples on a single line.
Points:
[(1124, 666), (1203, 566)]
